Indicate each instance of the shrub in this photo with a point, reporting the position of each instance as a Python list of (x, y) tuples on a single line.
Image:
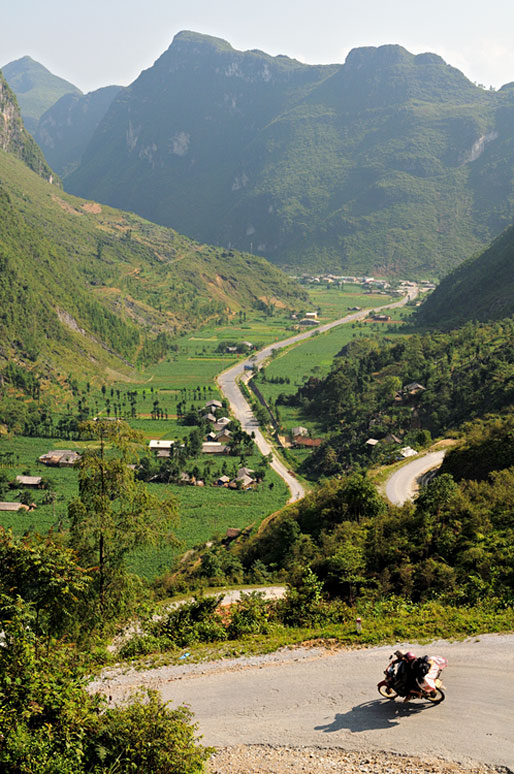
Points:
[(145, 736), (250, 616), (195, 621)]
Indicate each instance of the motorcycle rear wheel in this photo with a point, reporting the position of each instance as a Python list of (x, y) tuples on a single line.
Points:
[(386, 692), (437, 698)]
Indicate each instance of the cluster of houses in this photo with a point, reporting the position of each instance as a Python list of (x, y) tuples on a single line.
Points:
[(310, 318), (219, 435), (216, 441), (339, 279), (401, 454), (243, 480)]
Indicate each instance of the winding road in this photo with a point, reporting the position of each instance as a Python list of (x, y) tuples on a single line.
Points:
[(228, 384), (402, 485), (320, 698)]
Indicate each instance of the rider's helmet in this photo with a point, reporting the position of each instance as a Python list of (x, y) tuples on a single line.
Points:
[(410, 656)]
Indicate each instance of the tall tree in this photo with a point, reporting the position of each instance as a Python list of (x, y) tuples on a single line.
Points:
[(114, 513)]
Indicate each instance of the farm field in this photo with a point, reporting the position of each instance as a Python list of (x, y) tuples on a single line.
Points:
[(185, 378), (204, 512), (314, 357)]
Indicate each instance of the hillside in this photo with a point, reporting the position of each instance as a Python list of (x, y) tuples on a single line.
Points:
[(481, 288), (64, 131), (36, 88), (14, 138), (86, 289), (400, 392), (389, 163), (147, 279)]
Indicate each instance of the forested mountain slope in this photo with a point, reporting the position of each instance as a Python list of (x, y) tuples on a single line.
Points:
[(146, 279), (481, 288), (400, 392), (390, 162), (36, 88), (86, 289)]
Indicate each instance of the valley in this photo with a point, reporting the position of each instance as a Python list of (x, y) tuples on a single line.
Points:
[(256, 413)]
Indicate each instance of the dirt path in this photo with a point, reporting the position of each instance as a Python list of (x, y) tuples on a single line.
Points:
[(328, 700)]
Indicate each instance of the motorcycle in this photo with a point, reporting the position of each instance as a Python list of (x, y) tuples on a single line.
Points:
[(429, 684)]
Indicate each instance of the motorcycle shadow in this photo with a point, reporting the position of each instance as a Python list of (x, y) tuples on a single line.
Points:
[(371, 715)]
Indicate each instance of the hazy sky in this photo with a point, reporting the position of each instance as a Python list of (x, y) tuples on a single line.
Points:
[(100, 42)]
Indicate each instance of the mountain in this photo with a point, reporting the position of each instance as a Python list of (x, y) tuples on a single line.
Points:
[(86, 290), (13, 137), (481, 288), (64, 131), (390, 163), (36, 88)]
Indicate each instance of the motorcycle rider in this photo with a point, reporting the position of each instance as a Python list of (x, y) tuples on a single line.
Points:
[(412, 673)]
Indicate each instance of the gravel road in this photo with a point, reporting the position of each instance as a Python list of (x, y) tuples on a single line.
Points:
[(327, 699)]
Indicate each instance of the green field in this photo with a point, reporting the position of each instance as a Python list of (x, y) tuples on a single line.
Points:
[(203, 512), (314, 358), (187, 376)]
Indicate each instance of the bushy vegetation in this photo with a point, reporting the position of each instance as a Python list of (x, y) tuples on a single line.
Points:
[(453, 377)]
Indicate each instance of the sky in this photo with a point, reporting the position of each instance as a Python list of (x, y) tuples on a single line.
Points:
[(102, 42)]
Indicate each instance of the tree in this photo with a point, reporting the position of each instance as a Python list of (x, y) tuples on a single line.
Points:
[(114, 513)]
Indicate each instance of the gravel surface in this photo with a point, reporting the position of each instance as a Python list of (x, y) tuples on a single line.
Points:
[(262, 759)]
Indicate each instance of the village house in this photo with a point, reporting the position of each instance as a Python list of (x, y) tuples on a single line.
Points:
[(13, 507), (161, 448), (406, 452), (60, 458), (308, 321), (213, 404), (224, 436), (242, 482), (371, 442), (223, 481), (209, 417), (214, 447), (33, 481), (221, 424)]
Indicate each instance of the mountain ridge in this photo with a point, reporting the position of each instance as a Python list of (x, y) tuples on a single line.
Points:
[(36, 88), (363, 166)]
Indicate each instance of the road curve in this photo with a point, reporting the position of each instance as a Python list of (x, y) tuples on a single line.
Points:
[(228, 384), (317, 698), (402, 485)]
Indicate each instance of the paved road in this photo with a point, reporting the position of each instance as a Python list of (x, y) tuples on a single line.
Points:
[(329, 699), (227, 382), (403, 484)]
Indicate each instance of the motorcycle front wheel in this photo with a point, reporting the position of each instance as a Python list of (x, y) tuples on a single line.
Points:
[(437, 697), (387, 692)]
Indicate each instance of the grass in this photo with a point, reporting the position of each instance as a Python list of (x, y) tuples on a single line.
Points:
[(381, 625), (189, 375), (203, 512)]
